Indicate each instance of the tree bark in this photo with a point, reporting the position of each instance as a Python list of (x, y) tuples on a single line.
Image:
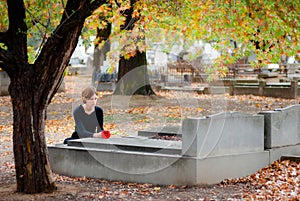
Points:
[(33, 173)]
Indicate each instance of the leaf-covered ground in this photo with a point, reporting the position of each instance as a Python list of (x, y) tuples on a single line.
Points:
[(127, 115)]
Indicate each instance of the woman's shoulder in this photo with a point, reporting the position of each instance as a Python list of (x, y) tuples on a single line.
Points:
[(97, 108), (77, 109)]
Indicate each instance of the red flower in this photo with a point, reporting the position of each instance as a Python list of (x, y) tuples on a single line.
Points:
[(106, 134)]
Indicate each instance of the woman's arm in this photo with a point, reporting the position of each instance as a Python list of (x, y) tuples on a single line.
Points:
[(99, 114), (79, 125)]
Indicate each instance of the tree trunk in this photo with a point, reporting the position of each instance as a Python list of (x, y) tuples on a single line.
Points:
[(100, 53), (133, 78), (33, 174), (96, 65)]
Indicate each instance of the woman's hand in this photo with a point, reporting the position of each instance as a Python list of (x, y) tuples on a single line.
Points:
[(103, 134), (97, 135)]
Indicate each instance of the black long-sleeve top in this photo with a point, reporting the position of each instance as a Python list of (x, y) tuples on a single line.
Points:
[(87, 124)]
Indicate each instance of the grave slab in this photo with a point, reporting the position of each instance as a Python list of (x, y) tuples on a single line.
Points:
[(137, 144)]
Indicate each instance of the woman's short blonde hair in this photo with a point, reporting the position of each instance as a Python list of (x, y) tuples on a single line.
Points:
[(88, 92)]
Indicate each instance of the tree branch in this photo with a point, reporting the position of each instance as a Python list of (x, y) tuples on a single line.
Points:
[(74, 13), (74, 16), (117, 3), (35, 21), (44, 37), (51, 63), (17, 31)]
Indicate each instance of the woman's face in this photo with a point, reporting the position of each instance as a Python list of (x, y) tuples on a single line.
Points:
[(92, 101)]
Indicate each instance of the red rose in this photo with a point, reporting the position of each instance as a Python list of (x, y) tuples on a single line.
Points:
[(105, 134)]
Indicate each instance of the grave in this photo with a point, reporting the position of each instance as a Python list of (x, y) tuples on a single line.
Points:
[(256, 87), (106, 86), (213, 148), (262, 88)]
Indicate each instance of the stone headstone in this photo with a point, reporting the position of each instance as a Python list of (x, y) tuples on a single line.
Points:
[(282, 127), (223, 134), (4, 83)]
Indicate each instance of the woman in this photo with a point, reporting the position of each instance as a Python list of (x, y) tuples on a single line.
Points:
[(88, 116)]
